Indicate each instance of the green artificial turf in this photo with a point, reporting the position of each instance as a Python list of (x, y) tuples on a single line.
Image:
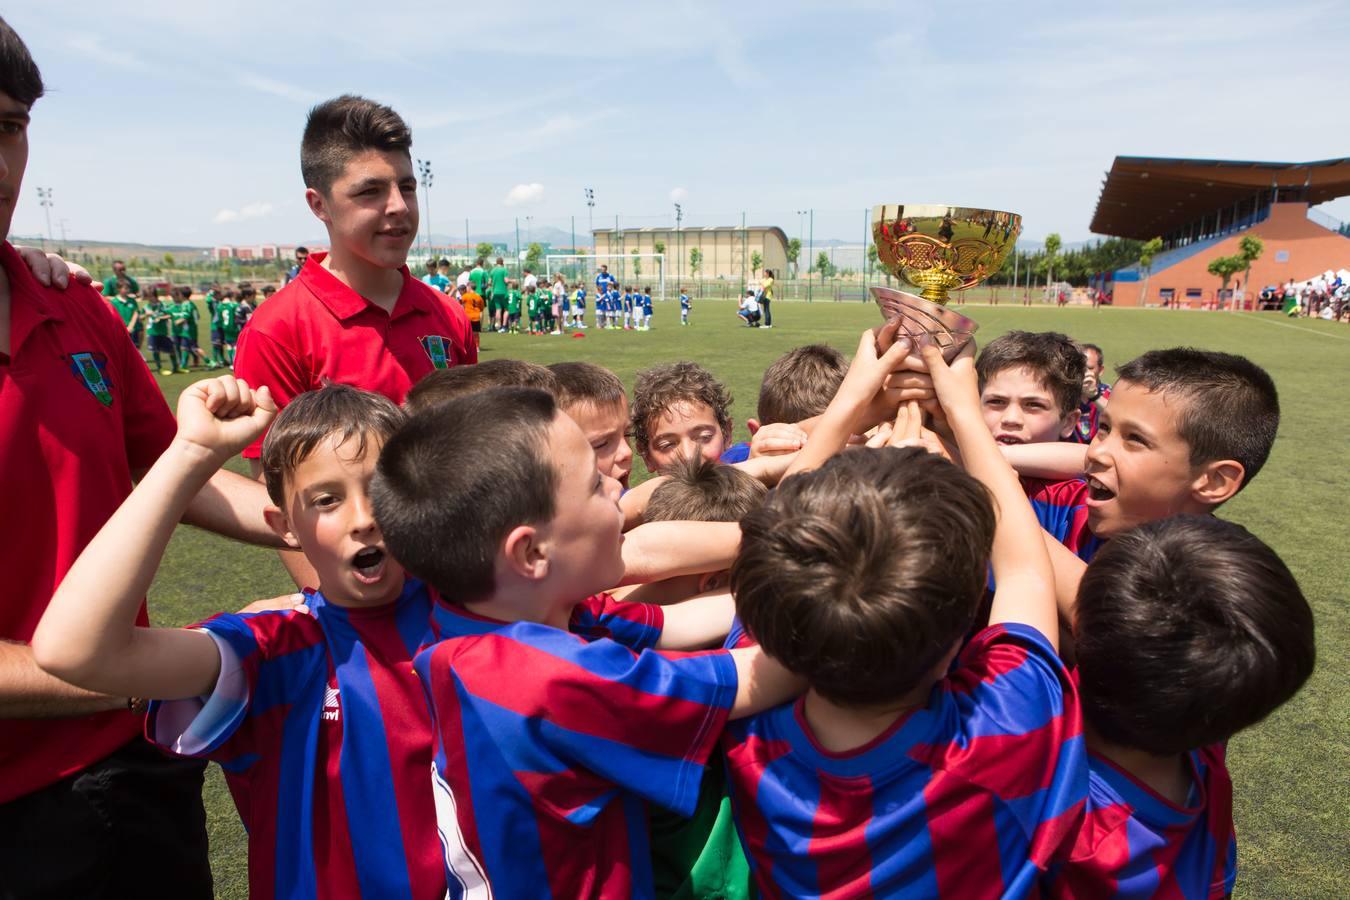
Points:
[(1289, 773)]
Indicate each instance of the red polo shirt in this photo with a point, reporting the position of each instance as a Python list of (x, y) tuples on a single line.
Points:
[(317, 329), (79, 413)]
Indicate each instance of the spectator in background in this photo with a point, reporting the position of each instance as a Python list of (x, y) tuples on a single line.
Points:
[(435, 279), (749, 309), (766, 297), (301, 254), (112, 287)]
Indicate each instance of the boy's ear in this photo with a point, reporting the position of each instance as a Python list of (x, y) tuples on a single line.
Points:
[(752, 425), (1217, 481), (1069, 423), (318, 205), (523, 553), (280, 525)]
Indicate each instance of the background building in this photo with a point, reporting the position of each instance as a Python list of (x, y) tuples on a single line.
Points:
[(1201, 208), (728, 251)]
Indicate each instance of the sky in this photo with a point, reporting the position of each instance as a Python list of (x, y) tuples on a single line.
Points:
[(179, 122)]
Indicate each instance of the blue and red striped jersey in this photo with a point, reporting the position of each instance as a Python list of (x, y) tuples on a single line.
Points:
[(637, 626), (969, 796), (323, 732), (1061, 508), (546, 746), (1089, 416), (1134, 843)]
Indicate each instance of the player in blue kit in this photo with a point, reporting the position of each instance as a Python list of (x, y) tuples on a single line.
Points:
[(579, 306), (647, 309), (685, 306), (627, 309)]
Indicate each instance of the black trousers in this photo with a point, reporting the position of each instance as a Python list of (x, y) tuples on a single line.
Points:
[(130, 825), (768, 313)]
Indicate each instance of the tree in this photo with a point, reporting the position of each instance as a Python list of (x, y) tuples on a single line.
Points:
[(872, 262), (637, 264), (1052, 245), (168, 259), (1226, 266), (1249, 248), (483, 250), (756, 260), (533, 254), (1151, 248), (822, 264), (659, 246), (794, 250), (695, 261)]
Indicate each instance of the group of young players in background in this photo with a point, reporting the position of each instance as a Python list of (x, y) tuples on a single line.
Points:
[(494, 301)]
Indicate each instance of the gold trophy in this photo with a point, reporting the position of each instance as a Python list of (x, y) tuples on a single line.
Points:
[(938, 249)]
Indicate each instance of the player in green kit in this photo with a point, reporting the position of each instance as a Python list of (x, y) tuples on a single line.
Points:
[(229, 325), (512, 308), (186, 319), (217, 341), (128, 310), (158, 320), (532, 308), (497, 300)]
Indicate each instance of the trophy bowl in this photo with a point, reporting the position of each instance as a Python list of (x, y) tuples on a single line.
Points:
[(938, 249)]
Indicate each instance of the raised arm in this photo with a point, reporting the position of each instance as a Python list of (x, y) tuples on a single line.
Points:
[(697, 623), (88, 635), (1025, 591), (1052, 460), (666, 549)]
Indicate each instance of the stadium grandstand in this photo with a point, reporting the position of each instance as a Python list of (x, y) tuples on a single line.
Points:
[(1201, 208)]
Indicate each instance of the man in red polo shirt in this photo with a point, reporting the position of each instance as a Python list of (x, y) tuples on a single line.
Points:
[(353, 315), (87, 807)]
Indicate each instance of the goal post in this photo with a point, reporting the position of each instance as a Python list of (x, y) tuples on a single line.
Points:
[(639, 270)]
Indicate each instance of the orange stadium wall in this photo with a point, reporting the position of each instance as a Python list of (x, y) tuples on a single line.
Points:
[(1296, 247)]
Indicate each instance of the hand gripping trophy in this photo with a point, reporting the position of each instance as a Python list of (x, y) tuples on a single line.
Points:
[(938, 249)]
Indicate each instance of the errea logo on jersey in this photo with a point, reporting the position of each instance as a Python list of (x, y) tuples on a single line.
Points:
[(332, 708)]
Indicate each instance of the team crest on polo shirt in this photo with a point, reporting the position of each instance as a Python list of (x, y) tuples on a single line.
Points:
[(434, 344), (92, 370)]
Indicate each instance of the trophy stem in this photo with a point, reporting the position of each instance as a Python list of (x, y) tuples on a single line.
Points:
[(935, 295)]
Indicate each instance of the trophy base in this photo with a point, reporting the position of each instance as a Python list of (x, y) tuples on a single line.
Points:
[(926, 322)]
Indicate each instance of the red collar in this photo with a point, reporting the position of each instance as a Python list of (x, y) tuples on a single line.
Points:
[(345, 303), (29, 305)]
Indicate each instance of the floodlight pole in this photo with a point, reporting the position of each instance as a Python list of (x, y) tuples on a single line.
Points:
[(679, 243), (590, 214), (425, 177), (811, 246), (45, 201)]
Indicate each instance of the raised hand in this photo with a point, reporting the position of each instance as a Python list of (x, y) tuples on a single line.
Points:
[(222, 416)]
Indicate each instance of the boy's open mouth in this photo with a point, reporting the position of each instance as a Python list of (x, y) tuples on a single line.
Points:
[(1009, 440), (369, 564), (1099, 492)]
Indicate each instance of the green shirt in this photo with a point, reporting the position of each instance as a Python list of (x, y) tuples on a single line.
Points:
[(126, 308), (110, 286), (185, 316), (499, 274), (229, 318), (157, 318), (478, 276), (532, 303), (513, 302)]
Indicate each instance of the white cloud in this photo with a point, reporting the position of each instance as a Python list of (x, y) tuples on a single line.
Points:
[(247, 212), (678, 195), (91, 45), (280, 89), (525, 193)]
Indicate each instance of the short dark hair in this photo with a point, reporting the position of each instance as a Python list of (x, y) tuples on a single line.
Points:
[(800, 383), (457, 478), (304, 250), (1232, 409), (334, 410), (584, 382), (1101, 357), (19, 74), (1188, 630), (440, 385), (701, 490), (861, 575), (659, 388), (1052, 357), (343, 127)]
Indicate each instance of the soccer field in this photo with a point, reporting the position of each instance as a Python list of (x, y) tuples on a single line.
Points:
[(1292, 790)]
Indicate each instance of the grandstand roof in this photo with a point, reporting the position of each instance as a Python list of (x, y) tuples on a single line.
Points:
[(1146, 196)]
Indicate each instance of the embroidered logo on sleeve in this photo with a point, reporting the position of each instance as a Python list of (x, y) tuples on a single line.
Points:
[(92, 370)]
